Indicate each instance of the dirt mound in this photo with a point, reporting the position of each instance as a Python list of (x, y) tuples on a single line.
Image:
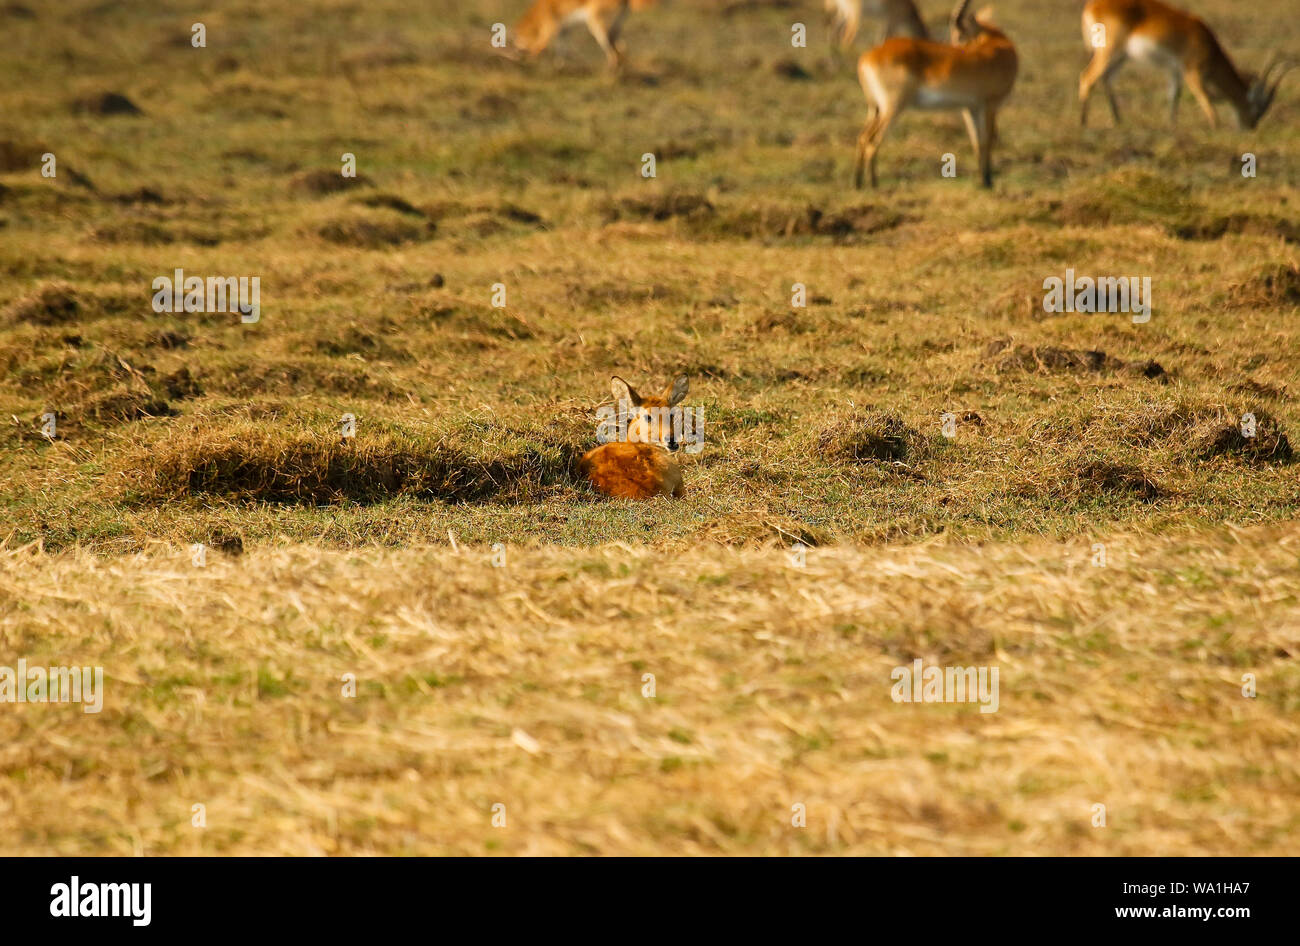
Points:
[(100, 388), (606, 292), (1098, 476), (791, 69), (320, 182), (1146, 368), (374, 231), (1276, 285), (141, 195), (1261, 389), (105, 104), (705, 219), (140, 232), (355, 340), (1149, 425), (492, 105), (171, 340), (867, 435), (260, 464), (482, 219), (1140, 197), (227, 543), (292, 375), (1129, 196), (16, 156), (1211, 227), (180, 384), (684, 148), (744, 6), (56, 303), (391, 202), (123, 404), (1269, 444), (1046, 358), (862, 220), (782, 318), (665, 206), (481, 327), (51, 304)]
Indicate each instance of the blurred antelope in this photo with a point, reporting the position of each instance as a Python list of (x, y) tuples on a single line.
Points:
[(641, 466), (604, 18), (975, 74), (901, 19), (1181, 44)]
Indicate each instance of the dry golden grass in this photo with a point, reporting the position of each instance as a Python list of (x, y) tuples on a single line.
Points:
[(522, 685)]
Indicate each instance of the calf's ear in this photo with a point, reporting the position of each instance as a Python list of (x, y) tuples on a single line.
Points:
[(677, 391), (624, 392)]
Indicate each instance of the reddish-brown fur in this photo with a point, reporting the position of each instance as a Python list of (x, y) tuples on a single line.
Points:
[(973, 73), (604, 18), (633, 470), (1179, 42), (637, 470)]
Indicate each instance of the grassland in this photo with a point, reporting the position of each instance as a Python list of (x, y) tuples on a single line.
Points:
[(524, 686), (371, 555)]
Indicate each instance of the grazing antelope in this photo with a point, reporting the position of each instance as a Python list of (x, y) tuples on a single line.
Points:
[(975, 74), (642, 466), (1182, 45), (901, 19), (604, 18)]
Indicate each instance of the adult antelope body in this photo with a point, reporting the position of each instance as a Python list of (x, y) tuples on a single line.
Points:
[(1152, 32), (604, 18), (974, 73), (900, 16)]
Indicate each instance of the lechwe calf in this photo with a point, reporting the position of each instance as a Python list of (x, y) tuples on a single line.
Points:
[(1181, 44), (604, 18), (640, 466), (974, 73)]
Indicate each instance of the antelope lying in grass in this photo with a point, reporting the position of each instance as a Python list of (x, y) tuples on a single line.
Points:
[(975, 74), (900, 16), (604, 18), (1181, 44), (642, 466)]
